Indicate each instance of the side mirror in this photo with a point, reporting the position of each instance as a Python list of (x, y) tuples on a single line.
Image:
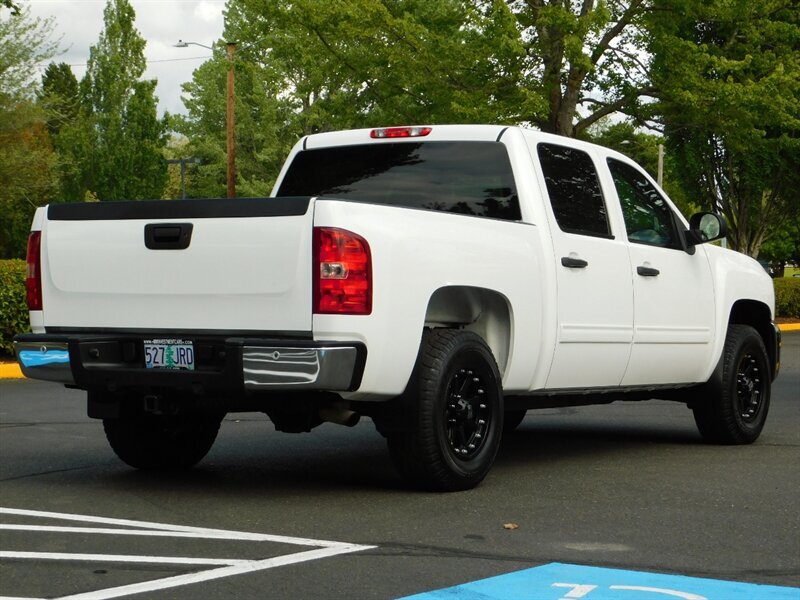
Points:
[(705, 227)]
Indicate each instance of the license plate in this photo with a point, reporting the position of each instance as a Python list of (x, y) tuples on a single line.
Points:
[(169, 354)]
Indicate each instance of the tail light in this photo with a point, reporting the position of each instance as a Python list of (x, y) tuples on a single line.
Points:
[(342, 273), (33, 278)]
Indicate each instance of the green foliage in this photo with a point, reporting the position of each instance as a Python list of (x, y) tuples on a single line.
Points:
[(319, 65), (13, 6), (27, 163), (784, 245), (13, 306), (643, 148), (60, 96), (120, 139), (787, 297), (728, 72), (24, 43)]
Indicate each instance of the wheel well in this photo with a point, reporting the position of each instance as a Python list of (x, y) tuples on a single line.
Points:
[(485, 312), (756, 315)]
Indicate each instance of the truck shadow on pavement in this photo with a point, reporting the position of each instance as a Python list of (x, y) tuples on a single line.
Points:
[(333, 460)]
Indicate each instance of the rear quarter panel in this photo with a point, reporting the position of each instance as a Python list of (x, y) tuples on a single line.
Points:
[(416, 252)]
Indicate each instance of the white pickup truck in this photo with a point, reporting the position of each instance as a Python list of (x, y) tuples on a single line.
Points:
[(441, 280)]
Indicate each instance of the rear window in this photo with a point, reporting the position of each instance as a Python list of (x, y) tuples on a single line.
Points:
[(469, 178)]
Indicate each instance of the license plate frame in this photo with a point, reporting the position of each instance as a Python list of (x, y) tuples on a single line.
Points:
[(169, 354)]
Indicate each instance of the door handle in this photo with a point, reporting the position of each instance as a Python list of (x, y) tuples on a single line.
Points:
[(573, 263), (647, 271)]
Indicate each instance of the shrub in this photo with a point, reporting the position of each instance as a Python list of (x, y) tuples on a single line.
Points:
[(13, 305), (787, 297)]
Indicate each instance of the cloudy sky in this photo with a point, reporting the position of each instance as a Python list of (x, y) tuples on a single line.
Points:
[(160, 22)]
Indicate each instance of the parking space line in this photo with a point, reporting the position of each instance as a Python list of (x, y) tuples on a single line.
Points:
[(225, 567), (171, 560), (190, 578), (199, 532), (209, 535)]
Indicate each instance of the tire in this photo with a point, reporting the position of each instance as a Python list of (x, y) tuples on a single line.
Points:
[(512, 419), (161, 443), (735, 401), (457, 406)]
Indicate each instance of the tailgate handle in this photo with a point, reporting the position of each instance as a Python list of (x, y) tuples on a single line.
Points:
[(168, 236)]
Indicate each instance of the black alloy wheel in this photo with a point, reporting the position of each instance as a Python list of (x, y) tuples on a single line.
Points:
[(455, 399), (732, 407)]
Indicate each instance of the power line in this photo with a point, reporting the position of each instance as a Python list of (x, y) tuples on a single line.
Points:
[(163, 60)]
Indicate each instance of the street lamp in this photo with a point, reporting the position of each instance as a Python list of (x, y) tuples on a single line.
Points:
[(231, 47), (182, 162)]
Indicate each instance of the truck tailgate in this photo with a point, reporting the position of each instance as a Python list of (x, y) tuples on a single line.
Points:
[(247, 266)]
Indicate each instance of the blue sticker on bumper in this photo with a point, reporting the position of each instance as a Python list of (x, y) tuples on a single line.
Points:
[(37, 358)]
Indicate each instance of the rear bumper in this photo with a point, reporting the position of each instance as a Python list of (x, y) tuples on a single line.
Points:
[(224, 365)]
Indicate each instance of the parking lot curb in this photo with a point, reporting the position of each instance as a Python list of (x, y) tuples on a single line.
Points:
[(11, 370)]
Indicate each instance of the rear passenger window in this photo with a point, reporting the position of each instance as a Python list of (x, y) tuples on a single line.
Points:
[(574, 190)]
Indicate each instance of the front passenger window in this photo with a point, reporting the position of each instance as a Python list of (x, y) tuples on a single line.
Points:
[(648, 218)]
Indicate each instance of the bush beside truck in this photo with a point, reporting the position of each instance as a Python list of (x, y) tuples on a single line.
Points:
[(13, 305), (787, 297)]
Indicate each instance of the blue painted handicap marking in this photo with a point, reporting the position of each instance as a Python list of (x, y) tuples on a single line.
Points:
[(557, 581)]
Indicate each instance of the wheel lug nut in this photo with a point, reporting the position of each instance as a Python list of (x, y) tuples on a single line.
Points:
[(482, 406), (481, 422)]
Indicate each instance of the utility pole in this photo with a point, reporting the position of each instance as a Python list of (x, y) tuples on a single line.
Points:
[(231, 101), (661, 165)]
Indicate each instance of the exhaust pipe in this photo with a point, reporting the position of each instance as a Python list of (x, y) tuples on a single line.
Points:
[(339, 415)]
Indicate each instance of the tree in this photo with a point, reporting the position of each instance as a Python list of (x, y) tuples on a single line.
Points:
[(586, 58), (534, 61), (318, 66), (642, 147), (27, 174), (263, 135), (12, 6), (127, 138), (60, 95), (784, 246), (330, 65), (729, 78)]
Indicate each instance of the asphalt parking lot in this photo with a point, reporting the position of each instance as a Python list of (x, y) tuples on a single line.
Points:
[(574, 493)]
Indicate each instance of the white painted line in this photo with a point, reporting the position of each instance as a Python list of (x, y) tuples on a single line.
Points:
[(235, 535), (167, 560), (228, 568), (210, 535), (170, 582)]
